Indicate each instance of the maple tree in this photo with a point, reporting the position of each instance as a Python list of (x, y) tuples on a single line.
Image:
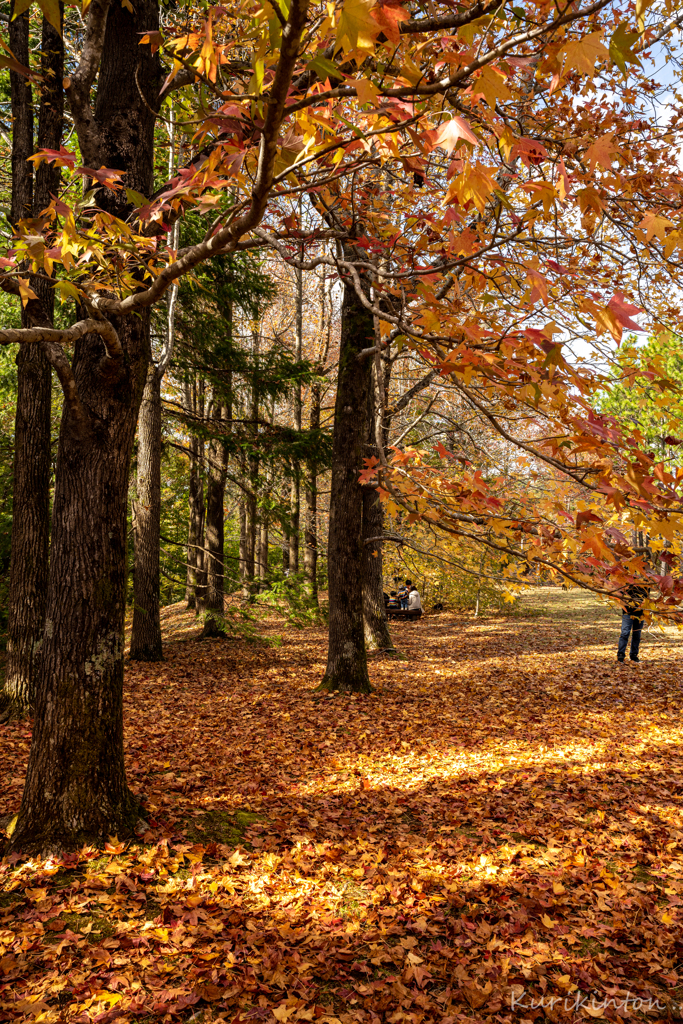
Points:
[(479, 189)]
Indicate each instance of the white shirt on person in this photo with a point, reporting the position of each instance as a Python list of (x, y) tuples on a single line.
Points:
[(414, 603)]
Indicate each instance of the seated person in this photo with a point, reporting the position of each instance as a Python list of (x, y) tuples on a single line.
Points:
[(393, 601), (414, 604)]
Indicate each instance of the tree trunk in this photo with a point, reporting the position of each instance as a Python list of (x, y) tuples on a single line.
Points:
[(250, 530), (195, 530), (294, 502), (263, 556), (284, 525), (213, 605), (377, 635), (347, 667), (76, 790), (32, 429), (243, 541), (145, 644), (311, 498), (295, 486), (30, 531), (201, 572)]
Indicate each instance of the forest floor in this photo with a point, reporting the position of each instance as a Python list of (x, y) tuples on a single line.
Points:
[(495, 834)]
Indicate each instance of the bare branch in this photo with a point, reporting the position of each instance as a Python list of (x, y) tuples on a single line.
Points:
[(406, 399), (417, 25), (29, 335), (184, 77)]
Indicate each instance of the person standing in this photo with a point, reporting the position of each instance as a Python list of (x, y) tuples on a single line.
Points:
[(403, 593), (632, 622)]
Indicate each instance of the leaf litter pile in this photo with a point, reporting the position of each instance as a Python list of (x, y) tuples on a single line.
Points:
[(495, 834)]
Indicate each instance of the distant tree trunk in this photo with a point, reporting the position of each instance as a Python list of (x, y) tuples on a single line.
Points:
[(294, 520), (243, 541), (311, 525), (295, 485), (145, 644), (377, 635), (250, 530), (285, 524), (347, 667), (311, 498), (32, 430), (76, 790), (197, 572), (213, 604), (201, 571), (195, 531), (263, 555)]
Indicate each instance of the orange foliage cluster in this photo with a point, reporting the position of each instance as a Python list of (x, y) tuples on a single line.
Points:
[(495, 825)]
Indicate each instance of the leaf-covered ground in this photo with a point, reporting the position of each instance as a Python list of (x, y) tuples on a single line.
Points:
[(495, 834)]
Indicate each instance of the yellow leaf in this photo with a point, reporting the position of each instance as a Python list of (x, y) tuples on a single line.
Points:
[(548, 922), (655, 226), (50, 9), (356, 29), (602, 152), (491, 84), (25, 291), (558, 888), (641, 7), (283, 1012), (583, 54), (366, 91)]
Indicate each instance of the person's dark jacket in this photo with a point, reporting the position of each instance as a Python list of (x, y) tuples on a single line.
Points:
[(634, 597)]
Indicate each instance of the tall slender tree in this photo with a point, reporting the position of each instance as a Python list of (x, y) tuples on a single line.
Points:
[(347, 668), (32, 434), (145, 643)]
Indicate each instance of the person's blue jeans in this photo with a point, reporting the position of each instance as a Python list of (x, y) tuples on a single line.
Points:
[(631, 623), (404, 603)]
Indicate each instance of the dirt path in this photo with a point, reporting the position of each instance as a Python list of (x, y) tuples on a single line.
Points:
[(500, 823)]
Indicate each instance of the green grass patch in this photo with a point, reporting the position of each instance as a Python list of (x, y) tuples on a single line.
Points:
[(102, 927), (222, 827)]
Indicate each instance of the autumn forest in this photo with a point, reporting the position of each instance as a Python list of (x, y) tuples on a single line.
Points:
[(341, 420)]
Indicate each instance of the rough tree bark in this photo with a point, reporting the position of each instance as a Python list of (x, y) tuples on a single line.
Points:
[(145, 644), (76, 789), (347, 667), (31, 486)]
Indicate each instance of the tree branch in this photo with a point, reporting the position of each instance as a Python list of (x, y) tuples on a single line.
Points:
[(29, 335), (225, 240), (78, 86)]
